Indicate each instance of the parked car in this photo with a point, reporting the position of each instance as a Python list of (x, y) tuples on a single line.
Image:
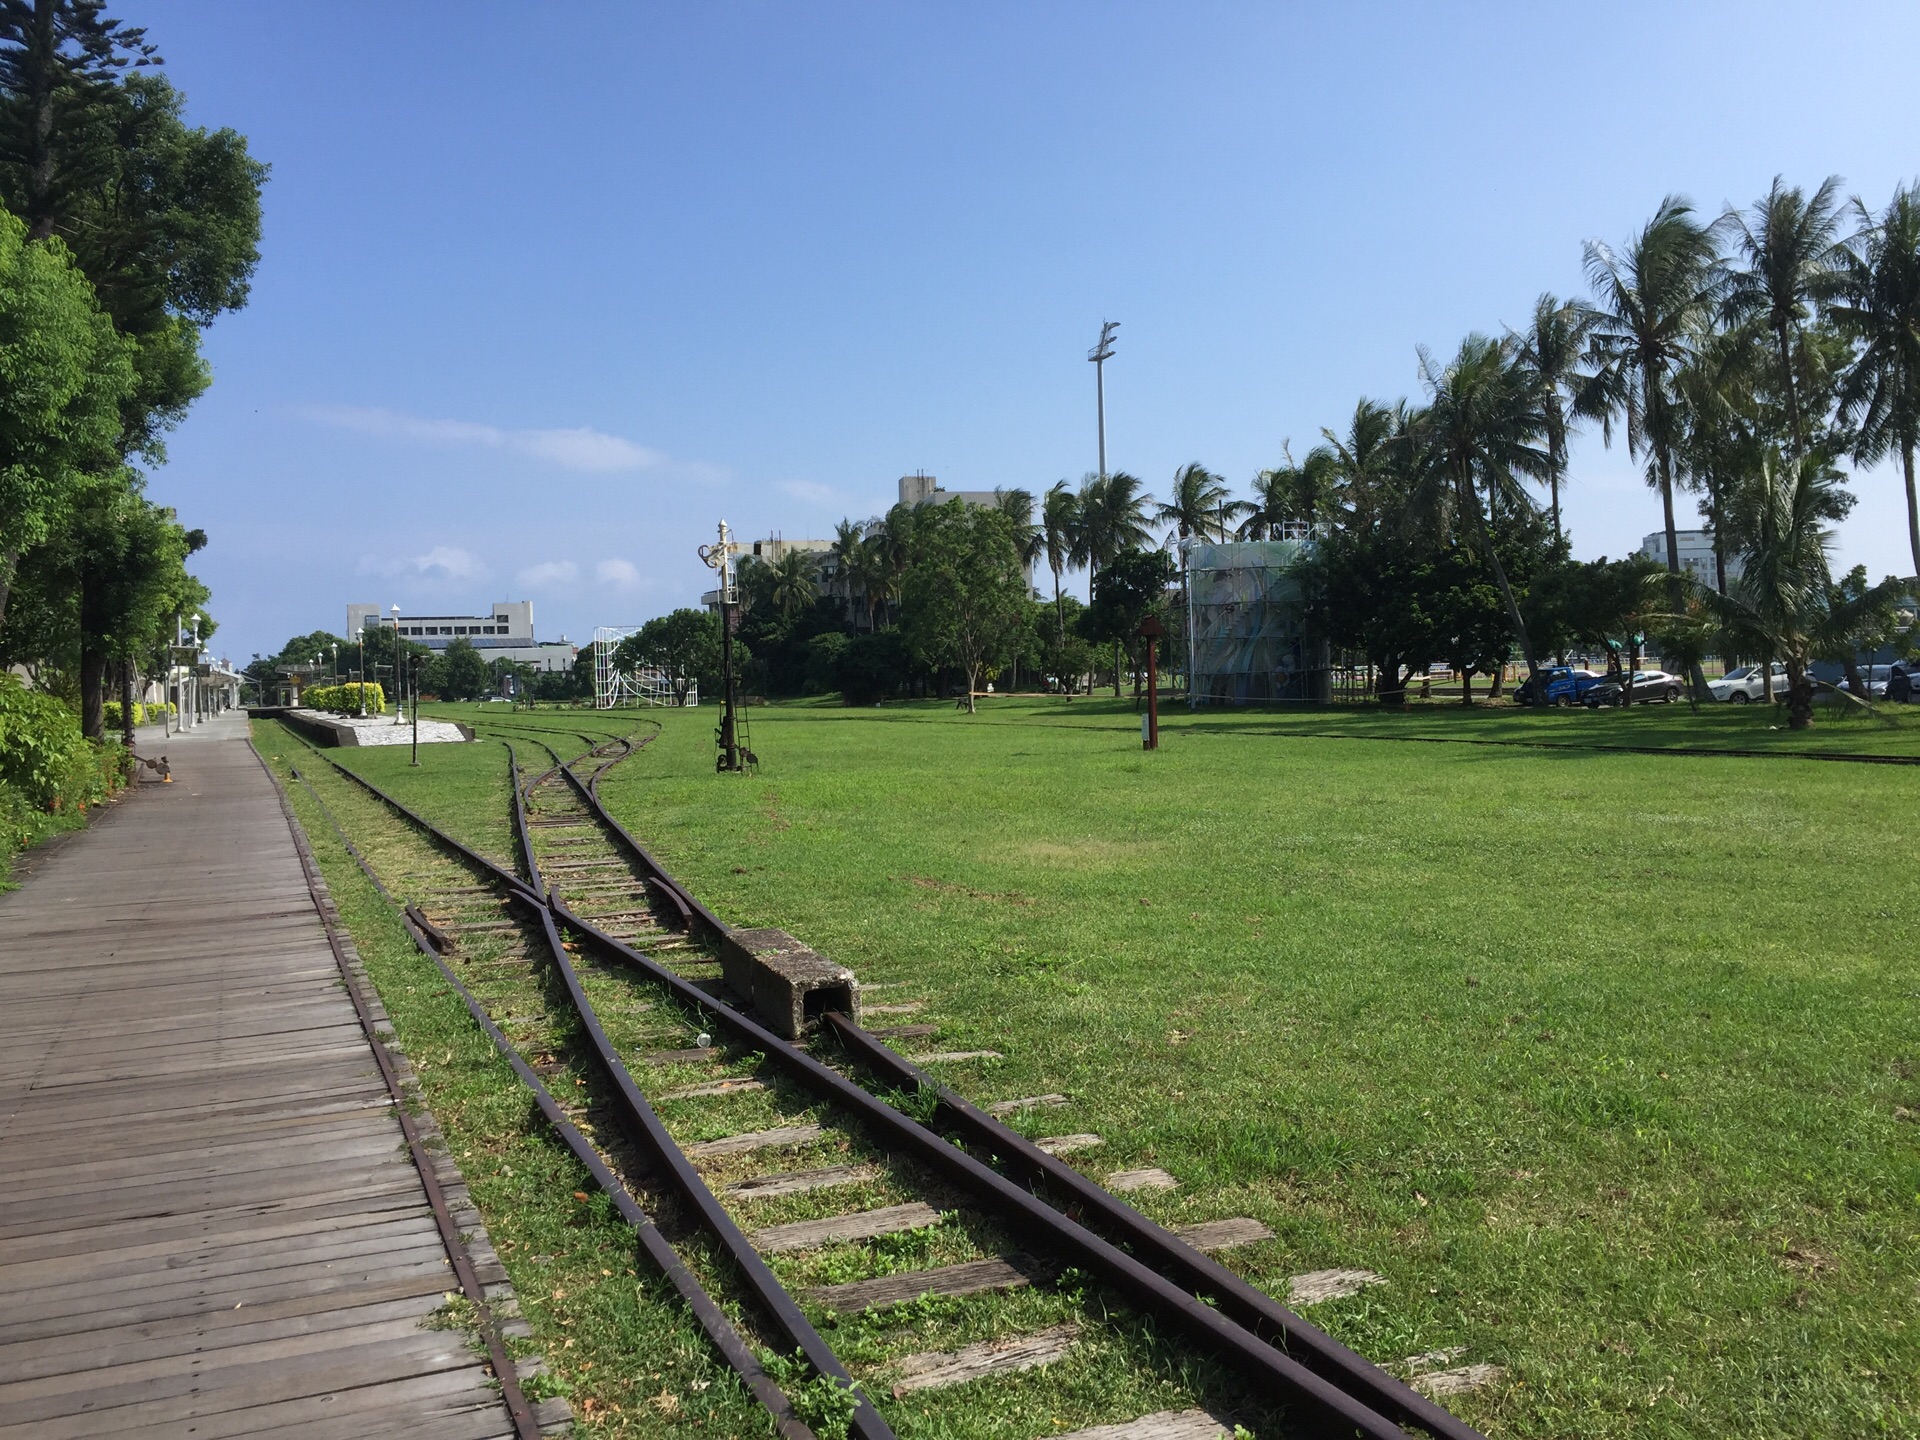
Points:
[(1903, 682), (1748, 683), (1565, 685), (1647, 686)]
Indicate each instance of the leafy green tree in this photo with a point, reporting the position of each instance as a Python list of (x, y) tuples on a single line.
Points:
[(1130, 587), (59, 64), (1652, 301), (1370, 591), (66, 373), (1880, 309), (963, 596), (459, 673), (686, 644)]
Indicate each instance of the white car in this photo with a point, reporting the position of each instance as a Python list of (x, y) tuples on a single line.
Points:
[(1748, 683)]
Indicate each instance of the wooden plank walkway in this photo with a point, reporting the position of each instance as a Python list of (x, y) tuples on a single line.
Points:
[(209, 1222)]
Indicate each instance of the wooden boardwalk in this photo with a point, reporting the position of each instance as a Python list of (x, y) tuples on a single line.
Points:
[(209, 1222)]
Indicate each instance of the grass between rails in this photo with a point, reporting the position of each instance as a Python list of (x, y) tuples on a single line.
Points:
[(634, 1362), (1119, 1369), (1601, 1059)]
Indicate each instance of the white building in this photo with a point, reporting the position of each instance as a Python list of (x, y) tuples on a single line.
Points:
[(1696, 555), (505, 634)]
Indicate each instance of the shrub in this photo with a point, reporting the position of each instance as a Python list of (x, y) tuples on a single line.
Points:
[(345, 699), (49, 774), (872, 667)]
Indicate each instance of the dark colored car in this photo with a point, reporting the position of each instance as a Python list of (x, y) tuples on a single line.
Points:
[(1647, 687), (1903, 682), (1565, 685)]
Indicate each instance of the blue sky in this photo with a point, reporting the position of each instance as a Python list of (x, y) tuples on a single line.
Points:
[(546, 290)]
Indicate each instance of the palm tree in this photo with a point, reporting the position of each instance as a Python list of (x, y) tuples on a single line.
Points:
[(792, 589), (1017, 506), (1113, 518), (1059, 536), (1272, 503), (848, 537), (1717, 392), (1198, 508), (1550, 350), (1779, 601), (1881, 310), (1651, 303), (1794, 265), (1362, 463), (1482, 430)]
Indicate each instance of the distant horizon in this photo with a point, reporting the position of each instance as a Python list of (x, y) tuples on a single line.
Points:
[(525, 329)]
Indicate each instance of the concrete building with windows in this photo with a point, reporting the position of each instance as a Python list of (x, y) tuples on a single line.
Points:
[(1695, 548), (506, 633)]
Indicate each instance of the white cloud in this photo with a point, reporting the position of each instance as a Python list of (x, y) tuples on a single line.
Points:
[(812, 491), (446, 562), (592, 451), (548, 573), (442, 562), (617, 572)]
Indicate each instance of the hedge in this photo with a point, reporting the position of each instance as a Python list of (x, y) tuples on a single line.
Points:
[(345, 699), (143, 714), (49, 774)]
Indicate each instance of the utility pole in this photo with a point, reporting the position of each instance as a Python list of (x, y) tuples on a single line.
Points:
[(1099, 355), (399, 685), (362, 686), (415, 668), (720, 558)]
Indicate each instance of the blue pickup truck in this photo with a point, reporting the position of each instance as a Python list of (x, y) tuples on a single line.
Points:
[(1565, 686)]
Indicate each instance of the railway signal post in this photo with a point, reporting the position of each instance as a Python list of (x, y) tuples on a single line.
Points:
[(720, 557)]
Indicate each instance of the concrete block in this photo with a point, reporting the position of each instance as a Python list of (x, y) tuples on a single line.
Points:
[(790, 985)]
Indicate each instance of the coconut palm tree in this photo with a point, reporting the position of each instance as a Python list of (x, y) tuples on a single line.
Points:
[(1651, 303), (1059, 536), (1482, 431), (1363, 461), (1017, 506), (1551, 350), (1198, 508), (1880, 308), (1779, 601), (1291, 494), (793, 582), (1113, 518), (1794, 265), (848, 537), (1717, 392)]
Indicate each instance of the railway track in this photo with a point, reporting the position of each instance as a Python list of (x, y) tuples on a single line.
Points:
[(820, 1188)]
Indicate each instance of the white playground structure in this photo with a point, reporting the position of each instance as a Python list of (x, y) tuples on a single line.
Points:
[(648, 685)]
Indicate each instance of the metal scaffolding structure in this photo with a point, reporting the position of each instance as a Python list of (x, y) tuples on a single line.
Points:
[(1246, 626), (648, 685)]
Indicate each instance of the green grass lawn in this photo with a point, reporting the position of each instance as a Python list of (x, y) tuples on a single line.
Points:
[(1605, 1061)]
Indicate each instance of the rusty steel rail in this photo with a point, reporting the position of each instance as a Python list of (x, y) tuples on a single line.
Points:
[(1316, 1393), (645, 1127), (1100, 1209), (719, 1329), (525, 1425)]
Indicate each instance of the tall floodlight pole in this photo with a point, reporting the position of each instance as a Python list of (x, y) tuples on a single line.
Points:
[(720, 558), (1099, 355)]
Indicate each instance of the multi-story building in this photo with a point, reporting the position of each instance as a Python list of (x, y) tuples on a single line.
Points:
[(504, 634), (1695, 548)]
